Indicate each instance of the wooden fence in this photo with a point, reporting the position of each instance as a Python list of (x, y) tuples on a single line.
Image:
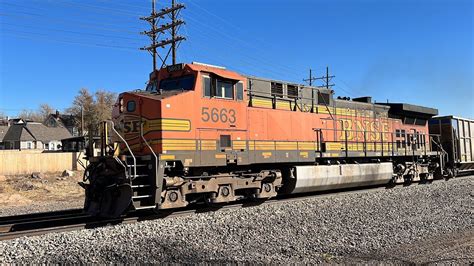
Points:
[(14, 162)]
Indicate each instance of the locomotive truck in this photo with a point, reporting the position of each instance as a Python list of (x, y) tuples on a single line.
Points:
[(202, 133)]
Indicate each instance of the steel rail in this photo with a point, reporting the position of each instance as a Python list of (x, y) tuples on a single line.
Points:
[(71, 221)]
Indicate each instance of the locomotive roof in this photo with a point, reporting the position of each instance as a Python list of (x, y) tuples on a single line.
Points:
[(285, 82), (453, 117)]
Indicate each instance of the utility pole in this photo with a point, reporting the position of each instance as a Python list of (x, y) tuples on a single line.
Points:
[(311, 78), (159, 31), (326, 80), (153, 33), (82, 120), (173, 32)]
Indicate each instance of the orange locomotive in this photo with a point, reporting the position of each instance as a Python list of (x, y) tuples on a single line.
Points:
[(201, 133)]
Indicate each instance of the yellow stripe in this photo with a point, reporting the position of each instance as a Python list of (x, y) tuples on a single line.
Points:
[(262, 103), (239, 145), (286, 146), (208, 145), (264, 145), (283, 105), (251, 145), (306, 146), (178, 144), (334, 146), (220, 156), (168, 125), (167, 157)]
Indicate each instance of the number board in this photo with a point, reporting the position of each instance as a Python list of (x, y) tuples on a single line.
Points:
[(174, 68)]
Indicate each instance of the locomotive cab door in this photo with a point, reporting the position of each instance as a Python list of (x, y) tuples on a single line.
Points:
[(222, 126)]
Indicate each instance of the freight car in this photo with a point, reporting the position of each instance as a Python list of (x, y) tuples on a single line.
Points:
[(202, 133), (456, 136)]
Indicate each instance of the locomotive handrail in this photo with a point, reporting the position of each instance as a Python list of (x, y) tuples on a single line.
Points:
[(149, 147), (383, 144), (128, 147)]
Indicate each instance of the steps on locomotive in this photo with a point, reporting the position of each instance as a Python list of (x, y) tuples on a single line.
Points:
[(143, 191)]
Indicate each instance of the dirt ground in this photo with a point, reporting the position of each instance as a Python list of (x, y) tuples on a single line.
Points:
[(47, 188)]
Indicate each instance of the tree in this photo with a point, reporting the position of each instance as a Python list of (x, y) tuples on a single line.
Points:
[(94, 108), (30, 115), (38, 115), (104, 103), (45, 110)]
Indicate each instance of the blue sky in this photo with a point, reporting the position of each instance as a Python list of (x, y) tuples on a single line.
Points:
[(415, 51)]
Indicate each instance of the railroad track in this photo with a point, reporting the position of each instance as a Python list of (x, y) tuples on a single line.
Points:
[(75, 219)]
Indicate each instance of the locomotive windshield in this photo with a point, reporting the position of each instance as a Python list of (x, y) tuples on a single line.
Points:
[(180, 83)]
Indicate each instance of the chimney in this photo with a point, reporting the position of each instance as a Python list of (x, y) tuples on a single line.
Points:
[(57, 113)]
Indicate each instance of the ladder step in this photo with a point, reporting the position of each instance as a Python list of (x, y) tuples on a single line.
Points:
[(145, 208), (135, 176), (140, 186), (142, 197)]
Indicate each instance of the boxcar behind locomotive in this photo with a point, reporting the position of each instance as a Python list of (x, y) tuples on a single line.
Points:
[(201, 133)]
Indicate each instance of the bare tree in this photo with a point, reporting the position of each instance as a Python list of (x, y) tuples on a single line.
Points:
[(45, 110), (30, 115), (94, 108), (104, 102), (38, 115)]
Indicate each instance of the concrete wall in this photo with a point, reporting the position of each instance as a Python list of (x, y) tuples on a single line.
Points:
[(13, 162)]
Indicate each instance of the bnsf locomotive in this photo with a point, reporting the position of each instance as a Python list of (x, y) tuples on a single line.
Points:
[(201, 133)]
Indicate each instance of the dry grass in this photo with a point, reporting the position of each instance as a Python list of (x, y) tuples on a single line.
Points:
[(23, 190)]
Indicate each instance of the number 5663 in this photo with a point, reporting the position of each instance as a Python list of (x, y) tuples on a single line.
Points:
[(215, 115)]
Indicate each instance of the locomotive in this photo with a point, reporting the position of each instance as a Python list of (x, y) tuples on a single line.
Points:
[(202, 133)]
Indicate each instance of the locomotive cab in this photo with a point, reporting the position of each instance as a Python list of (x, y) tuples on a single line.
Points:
[(157, 130)]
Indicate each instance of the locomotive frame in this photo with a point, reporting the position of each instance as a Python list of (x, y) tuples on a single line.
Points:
[(203, 133)]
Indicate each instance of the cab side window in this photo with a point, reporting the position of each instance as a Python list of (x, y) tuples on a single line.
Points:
[(206, 86), (222, 88), (239, 91)]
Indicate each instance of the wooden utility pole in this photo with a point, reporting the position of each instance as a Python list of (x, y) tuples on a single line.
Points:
[(82, 120), (157, 31)]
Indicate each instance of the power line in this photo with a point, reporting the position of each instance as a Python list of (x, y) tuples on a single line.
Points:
[(22, 15), (49, 39), (69, 31)]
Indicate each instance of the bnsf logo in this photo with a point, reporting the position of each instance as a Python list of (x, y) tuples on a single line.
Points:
[(131, 127)]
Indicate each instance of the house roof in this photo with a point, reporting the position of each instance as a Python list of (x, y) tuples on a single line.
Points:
[(3, 132), (44, 133), (64, 120), (36, 131)]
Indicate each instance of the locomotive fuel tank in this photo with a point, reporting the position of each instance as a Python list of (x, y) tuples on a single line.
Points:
[(313, 178)]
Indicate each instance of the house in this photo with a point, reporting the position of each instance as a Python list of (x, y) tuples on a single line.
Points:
[(3, 131), (69, 122), (32, 135)]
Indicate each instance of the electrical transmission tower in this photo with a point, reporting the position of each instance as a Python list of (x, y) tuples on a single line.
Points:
[(165, 25)]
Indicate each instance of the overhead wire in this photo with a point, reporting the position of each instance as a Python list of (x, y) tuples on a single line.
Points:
[(251, 60), (70, 31), (48, 38)]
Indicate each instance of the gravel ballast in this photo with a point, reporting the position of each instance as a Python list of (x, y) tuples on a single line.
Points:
[(415, 224)]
